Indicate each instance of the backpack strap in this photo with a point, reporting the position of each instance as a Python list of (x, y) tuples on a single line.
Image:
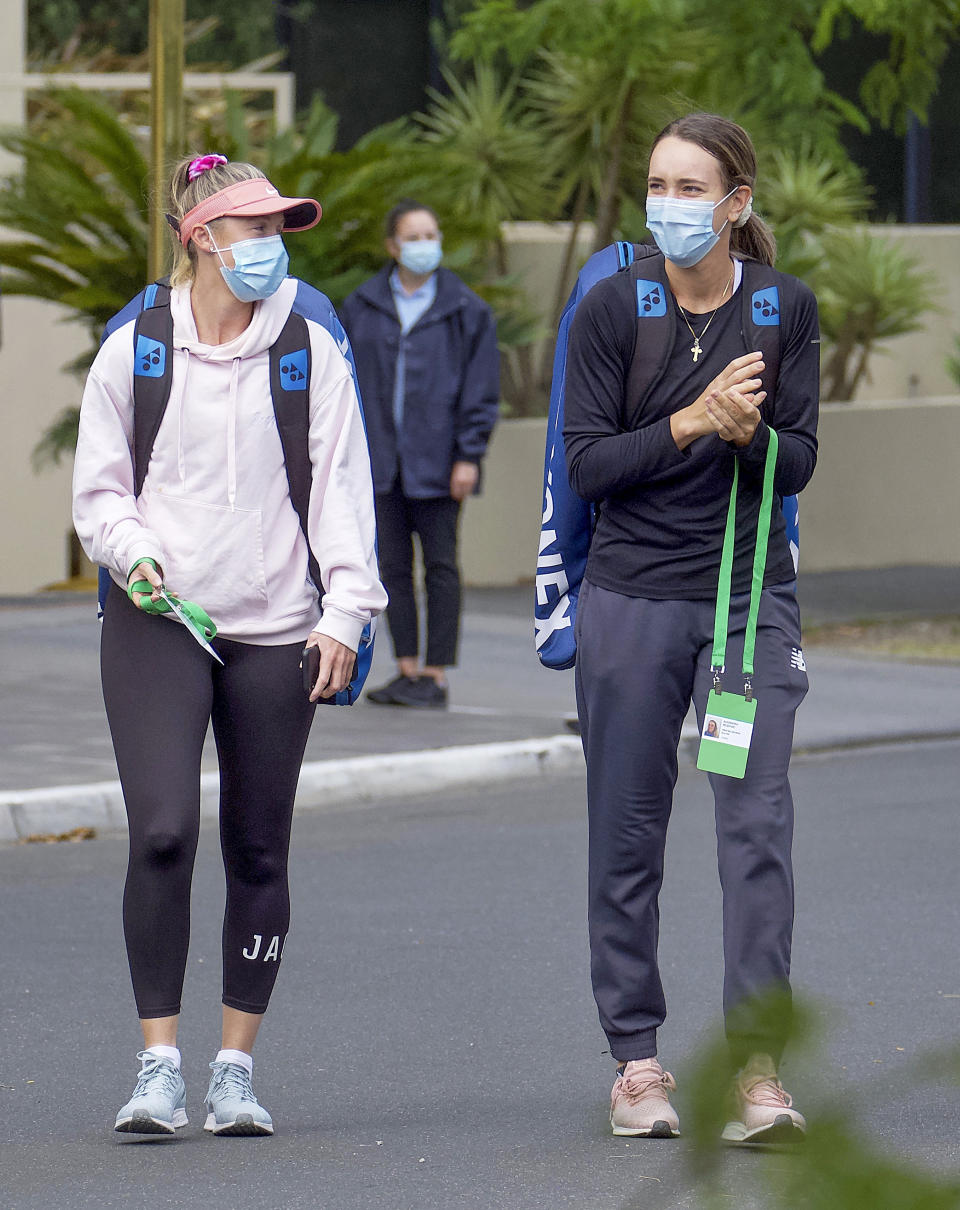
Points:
[(290, 363), (152, 374), (152, 379), (760, 323), (290, 388), (655, 332)]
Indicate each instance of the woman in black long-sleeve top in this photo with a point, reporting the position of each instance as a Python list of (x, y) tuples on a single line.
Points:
[(659, 462)]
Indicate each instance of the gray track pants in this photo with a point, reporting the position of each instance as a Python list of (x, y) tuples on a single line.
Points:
[(639, 662)]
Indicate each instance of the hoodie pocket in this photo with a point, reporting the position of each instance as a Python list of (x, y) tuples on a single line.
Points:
[(214, 555)]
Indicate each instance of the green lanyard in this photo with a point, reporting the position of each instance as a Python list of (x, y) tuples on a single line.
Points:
[(722, 617)]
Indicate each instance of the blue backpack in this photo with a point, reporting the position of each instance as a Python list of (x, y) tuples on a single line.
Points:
[(289, 385), (567, 524)]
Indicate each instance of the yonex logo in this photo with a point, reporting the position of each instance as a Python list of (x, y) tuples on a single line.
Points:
[(766, 307), (293, 370), (797, 661), (150, 358), (551, 577), (651, 300)]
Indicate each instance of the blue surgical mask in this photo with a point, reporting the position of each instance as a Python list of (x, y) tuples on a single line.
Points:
[(420, 255), (260, 265), (682, 228)]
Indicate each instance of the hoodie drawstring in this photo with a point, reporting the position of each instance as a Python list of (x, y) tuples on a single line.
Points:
[(232, 433), (181, 461)]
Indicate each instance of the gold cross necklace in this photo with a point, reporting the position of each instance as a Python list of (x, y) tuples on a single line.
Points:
[(695, 348)]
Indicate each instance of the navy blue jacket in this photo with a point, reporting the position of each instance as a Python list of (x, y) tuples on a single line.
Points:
[(452, 382)]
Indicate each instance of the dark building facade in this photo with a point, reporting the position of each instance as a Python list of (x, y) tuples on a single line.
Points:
[(370, 60)]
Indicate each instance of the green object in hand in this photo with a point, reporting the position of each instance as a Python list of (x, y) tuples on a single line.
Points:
[(198, 616)]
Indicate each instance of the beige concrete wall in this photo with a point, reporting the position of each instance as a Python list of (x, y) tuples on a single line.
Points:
[(881, 496), (13, 44), (883, 493), (501, 528), (912, 366), (35, 507)]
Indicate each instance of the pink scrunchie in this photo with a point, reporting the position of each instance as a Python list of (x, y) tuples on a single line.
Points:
[(203, 163)]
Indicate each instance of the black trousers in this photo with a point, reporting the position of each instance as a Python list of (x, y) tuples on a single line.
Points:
[(639, 663), (435, 523), (161, 690)]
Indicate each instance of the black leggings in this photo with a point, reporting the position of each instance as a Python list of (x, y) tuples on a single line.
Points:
[(161, 690), (434, 521)]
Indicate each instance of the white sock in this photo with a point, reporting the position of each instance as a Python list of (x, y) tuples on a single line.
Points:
[(236, 1056), (166, 1052)]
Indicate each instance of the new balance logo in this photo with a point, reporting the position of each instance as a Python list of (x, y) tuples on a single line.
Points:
[(797, 661)]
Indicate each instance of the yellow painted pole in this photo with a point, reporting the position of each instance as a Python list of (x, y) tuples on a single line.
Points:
[(166, 118)]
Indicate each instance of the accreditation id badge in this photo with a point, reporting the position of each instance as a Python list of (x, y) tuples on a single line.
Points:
[(727, 732)]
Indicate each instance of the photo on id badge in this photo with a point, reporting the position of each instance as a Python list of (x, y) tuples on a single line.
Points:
[(727, 731)]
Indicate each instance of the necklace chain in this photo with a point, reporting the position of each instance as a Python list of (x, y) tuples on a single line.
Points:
[(695, 348)]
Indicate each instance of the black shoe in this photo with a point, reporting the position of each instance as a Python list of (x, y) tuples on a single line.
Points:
[(386, 694), (423, 693)]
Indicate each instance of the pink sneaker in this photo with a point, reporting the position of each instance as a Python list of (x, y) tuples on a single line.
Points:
[(764, 1110), (639, 1104)]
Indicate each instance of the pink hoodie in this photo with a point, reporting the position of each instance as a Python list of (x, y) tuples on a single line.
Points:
[(215, 511)]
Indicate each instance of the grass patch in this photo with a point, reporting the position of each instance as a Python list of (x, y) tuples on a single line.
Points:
[(929, 639)]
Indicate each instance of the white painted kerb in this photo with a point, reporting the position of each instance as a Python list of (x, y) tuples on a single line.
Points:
[(324, 783)]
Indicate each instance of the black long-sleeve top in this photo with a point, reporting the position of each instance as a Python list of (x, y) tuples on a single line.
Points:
[(662, 510)]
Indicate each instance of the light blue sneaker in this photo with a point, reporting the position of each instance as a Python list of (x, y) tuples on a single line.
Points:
[(232, 1107), (158, 1104)]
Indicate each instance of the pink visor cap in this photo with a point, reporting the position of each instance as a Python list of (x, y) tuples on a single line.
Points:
[(247, 199)]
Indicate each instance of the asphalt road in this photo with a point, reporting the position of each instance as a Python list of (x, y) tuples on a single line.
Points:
[(433, 1042), (53, 730)]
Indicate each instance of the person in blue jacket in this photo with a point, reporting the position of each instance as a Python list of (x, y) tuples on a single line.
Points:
[(425, 348)]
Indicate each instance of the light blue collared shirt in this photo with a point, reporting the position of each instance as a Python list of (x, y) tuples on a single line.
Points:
[(410, 307)]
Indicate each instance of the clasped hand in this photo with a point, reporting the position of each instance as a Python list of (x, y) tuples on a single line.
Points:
[(729, 407)]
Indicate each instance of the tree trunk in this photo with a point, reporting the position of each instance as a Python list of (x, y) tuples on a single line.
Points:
[(500, 251), (861, 370), (835, 378), (608, 209)]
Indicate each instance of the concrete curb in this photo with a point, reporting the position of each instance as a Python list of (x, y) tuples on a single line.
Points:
[(354, 782), (361, 780)]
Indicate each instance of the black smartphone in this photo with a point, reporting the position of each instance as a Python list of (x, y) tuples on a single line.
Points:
[(310, 667)]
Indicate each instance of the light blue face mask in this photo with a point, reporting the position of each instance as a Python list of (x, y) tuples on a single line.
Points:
[(682, 228), (260, 265), (421, 255)]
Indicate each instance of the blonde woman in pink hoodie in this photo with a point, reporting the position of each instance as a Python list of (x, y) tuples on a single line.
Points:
[(212, 522)]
